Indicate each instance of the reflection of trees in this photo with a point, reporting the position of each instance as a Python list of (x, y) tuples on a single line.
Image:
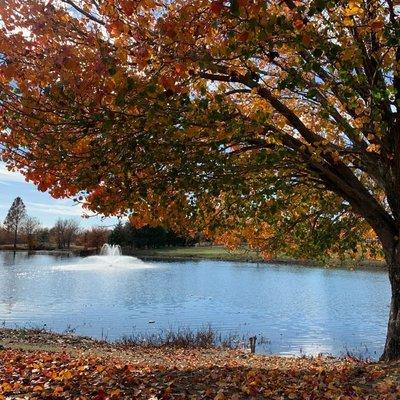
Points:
[(27, 285), (8, 258), (9, 281)]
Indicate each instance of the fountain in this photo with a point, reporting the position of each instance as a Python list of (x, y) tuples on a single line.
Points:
[(110, 259), (111, 250)]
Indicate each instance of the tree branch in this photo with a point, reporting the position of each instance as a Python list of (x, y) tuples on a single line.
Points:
[(83, 12)]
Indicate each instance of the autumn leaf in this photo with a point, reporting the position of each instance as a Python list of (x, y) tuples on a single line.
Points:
[(243, 36), (128, 6), (377, 25), (298, 23), (216, 7)]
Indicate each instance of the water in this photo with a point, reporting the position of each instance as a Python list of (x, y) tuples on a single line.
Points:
[(299, 310)]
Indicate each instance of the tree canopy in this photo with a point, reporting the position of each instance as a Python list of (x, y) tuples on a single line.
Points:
[(255, 120)]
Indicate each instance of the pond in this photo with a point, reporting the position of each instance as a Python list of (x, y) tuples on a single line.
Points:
[(297, 310)]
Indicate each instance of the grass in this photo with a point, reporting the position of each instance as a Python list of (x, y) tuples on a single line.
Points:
[(201, 253), (220, 253), (182, 338), (205, 337), (202, 338)]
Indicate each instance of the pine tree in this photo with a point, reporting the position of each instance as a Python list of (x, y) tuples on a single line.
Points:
[(15, 216)]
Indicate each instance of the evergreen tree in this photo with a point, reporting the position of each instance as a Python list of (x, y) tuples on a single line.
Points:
[(146, 237), (119, 235), (15, 216)]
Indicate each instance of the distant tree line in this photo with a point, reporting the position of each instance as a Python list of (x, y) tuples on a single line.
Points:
[(127, 235), (19, 230)]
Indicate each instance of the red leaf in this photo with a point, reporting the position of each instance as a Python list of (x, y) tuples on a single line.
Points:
[(101, 395), (216, 7)]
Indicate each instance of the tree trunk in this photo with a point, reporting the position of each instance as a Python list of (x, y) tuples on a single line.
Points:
[(15, 238), (392, 346)]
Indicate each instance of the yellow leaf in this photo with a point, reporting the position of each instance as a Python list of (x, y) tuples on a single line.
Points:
[(58, 390), (348, 22), (115, 392), (100, 368), (67, 375), (359, 122), (220, 396), (6, 387), (353, 9), (373, 148)]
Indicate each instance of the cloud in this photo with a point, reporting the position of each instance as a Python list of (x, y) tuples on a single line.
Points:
[(9, 176), (58, 209)]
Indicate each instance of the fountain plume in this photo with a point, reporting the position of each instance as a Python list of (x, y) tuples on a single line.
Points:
[(112, 250), (110, 259)]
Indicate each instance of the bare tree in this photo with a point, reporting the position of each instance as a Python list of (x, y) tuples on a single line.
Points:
[(15, 217), (58, 233), (65, 231), (71, 230), (96, 237), (30, 228)]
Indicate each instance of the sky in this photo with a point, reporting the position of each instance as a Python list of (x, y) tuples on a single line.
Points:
[(40, 204)]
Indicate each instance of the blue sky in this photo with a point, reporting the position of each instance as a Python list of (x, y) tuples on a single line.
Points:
[(41, 205)]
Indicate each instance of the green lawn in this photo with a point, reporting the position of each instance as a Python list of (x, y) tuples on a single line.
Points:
[(206, 252), (221, 253)]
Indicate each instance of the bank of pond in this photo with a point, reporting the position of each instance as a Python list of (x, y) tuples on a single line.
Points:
[(292, 309)]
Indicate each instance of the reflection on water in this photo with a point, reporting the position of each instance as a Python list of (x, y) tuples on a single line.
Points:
[(300, 310), (9, 257), (103, 264)]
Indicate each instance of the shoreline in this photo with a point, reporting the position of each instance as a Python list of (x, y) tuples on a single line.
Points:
[(218, 253), (221, 254), (49, 365)]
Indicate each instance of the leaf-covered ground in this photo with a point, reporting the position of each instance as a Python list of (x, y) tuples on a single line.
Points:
[(90, 370)]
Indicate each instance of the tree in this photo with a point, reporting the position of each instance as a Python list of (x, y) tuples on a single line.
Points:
[(65, 231), (15, 217), (96, 237), (71, 229), (145, 237), (271, 122), (119, 235), (30, 228), (57, 232), (3, 234), (43, 237)]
